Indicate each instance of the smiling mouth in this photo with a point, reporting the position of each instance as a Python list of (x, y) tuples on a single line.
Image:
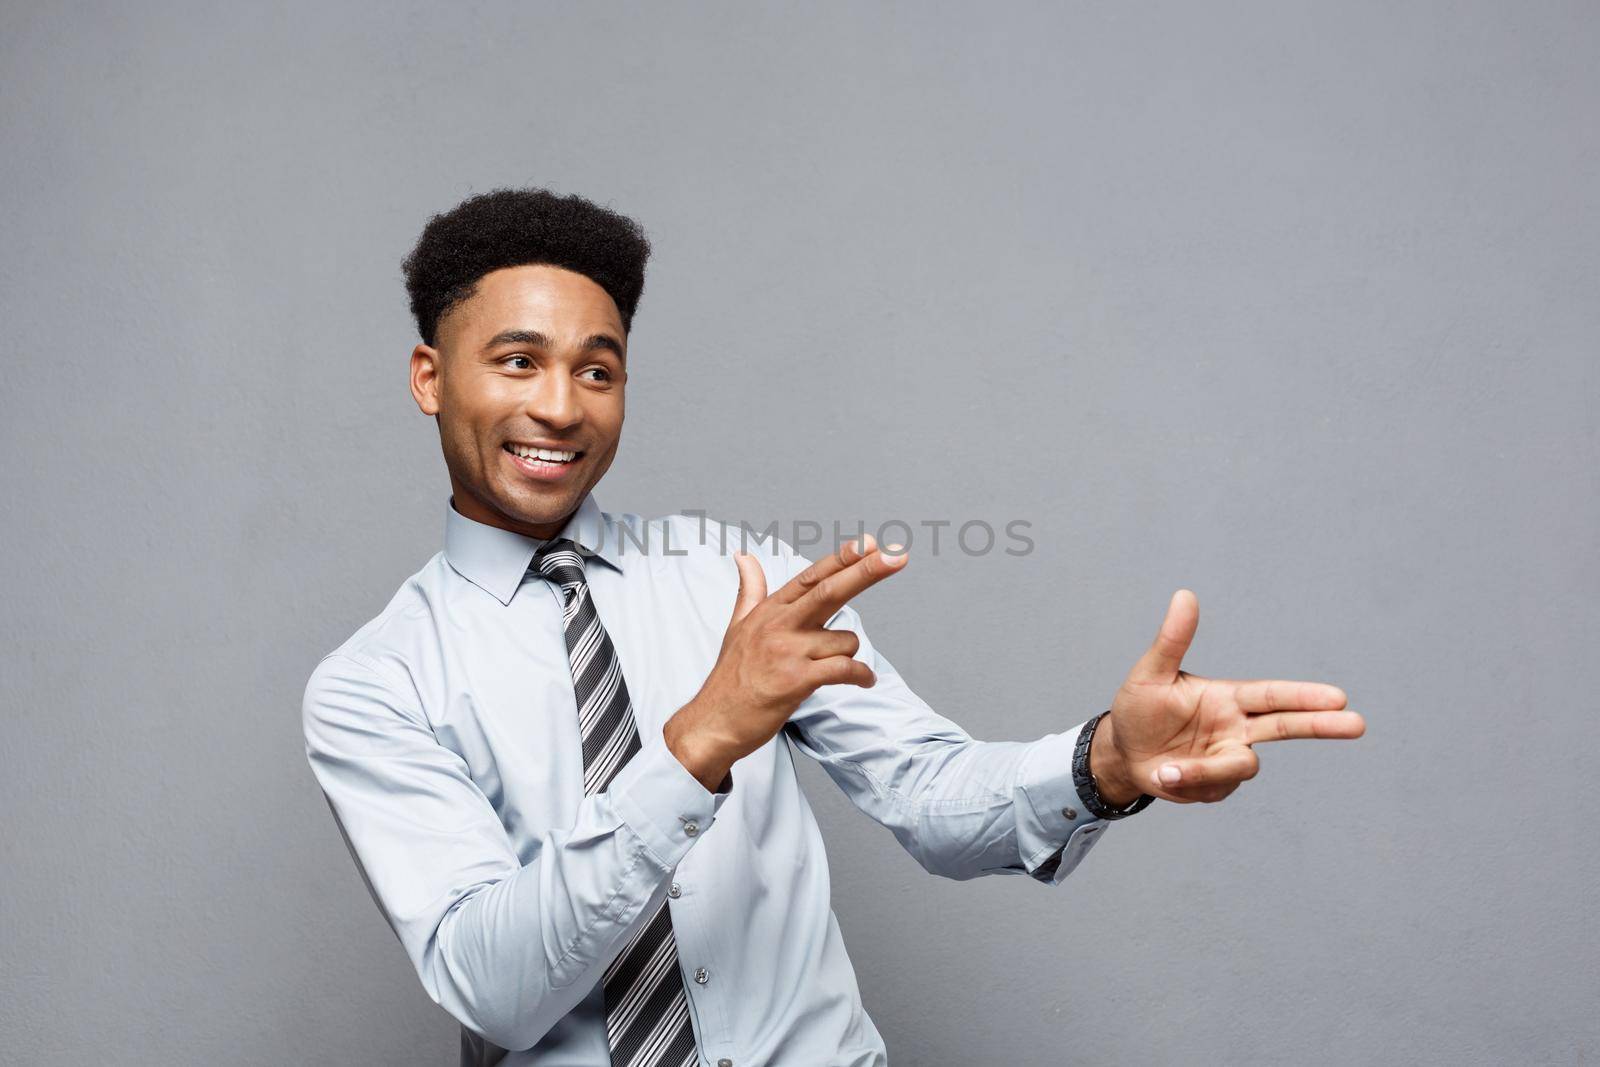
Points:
[(544, 456)]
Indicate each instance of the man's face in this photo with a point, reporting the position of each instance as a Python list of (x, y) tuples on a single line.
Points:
[(535, 357)]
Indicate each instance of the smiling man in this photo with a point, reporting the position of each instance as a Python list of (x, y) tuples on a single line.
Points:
[(562, 756)]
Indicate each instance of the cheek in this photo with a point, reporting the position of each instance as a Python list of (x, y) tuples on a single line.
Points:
[(610, 417), (466, 444)]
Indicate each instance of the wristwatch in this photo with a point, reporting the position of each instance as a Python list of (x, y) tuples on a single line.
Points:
[(1085, 781)]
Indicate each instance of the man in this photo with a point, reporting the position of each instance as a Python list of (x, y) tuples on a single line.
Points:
[(563, 755)]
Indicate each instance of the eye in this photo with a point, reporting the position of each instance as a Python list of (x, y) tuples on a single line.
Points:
[(517, 356), (601, 370)]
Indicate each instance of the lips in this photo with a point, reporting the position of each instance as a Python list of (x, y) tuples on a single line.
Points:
[(511, 446), (543, 470)]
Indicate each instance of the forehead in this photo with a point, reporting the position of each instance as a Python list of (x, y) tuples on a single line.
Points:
[(555, 301)]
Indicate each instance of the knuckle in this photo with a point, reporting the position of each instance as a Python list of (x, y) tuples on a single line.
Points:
[(772, 643), (791, 675)]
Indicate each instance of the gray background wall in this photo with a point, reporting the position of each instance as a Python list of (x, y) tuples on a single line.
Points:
[(1290, 304)]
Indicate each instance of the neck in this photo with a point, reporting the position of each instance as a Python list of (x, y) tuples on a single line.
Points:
[(466, 504)]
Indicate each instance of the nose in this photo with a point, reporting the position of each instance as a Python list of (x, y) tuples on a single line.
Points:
[(553, 400)]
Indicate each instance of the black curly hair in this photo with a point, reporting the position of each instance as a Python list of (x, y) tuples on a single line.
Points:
[(511, 227)]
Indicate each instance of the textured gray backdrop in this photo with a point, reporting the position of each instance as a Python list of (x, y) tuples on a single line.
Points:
[(1294, 305)]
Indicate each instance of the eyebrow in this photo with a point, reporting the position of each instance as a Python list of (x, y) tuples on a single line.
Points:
[(598, 341)]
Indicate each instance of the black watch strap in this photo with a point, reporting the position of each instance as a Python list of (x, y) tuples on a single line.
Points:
[(1084, 781)]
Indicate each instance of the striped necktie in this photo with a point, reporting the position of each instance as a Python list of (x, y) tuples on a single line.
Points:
[(647, 1008)]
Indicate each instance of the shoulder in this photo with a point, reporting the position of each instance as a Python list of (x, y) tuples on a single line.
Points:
[(374, 661)]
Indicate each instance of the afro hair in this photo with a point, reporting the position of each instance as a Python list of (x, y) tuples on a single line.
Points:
[(512, 227)]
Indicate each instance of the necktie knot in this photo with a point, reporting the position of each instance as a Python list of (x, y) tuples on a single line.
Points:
[(560, 561)]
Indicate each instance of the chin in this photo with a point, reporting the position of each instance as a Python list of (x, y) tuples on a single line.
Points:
[(535, 507)]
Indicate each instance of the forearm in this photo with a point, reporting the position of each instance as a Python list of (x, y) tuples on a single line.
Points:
[(950, 803), (961, 807), (516, 956)]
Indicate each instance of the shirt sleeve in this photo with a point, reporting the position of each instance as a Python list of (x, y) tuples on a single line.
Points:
[(962, 808), (506, 948)]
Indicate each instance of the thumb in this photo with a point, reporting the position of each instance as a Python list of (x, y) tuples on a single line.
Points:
[(1161, 661), (752, 586)]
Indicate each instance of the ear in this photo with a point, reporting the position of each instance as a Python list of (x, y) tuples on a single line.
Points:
[(426, 365)]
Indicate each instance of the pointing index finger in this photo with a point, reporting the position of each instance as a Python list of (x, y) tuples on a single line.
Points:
[(835, 590), (833, 563), (1280, 694)]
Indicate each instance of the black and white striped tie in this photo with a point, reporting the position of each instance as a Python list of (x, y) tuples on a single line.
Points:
[(647, 1008)]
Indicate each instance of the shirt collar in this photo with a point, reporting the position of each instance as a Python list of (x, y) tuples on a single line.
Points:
[(495, 559)]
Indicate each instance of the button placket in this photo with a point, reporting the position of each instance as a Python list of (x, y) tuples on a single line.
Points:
[(696, 940)]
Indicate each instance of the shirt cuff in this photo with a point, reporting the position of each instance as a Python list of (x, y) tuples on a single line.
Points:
[(663, 803), (1054, 828)]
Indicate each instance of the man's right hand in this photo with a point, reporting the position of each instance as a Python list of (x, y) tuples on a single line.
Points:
[(776, 652)]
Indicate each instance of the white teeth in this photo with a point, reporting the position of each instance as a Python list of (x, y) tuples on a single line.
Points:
[(546, 454)]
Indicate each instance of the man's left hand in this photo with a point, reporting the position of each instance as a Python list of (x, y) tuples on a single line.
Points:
[(1165, 720)]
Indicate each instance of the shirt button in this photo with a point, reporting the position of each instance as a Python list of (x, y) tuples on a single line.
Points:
[(674, 891), (724, 1062), (701, 976), (691, 828), (1069, 813)]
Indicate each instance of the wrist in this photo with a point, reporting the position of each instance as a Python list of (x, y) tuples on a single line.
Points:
[(1112, 775), (694, 746)]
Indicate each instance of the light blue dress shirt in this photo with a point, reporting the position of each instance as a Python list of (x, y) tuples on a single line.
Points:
[(444, 735)]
